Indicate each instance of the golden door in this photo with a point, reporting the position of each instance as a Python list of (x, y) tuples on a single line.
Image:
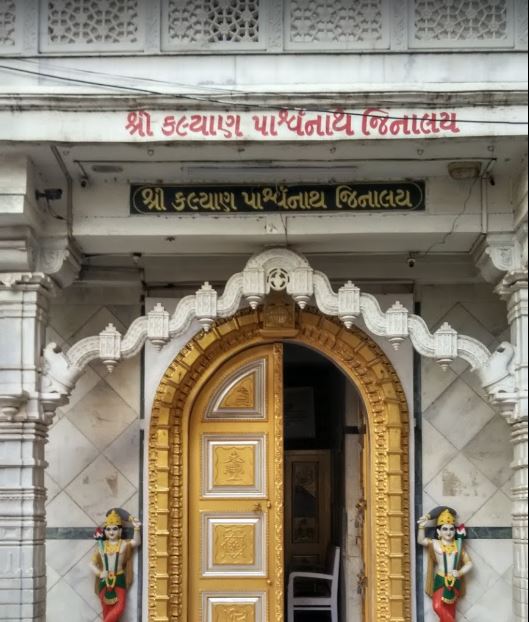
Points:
[(236, 492)]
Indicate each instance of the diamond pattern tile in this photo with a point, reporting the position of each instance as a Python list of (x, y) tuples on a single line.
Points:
[(500, 551), (81, 579), (52, 488), (125, 380), (461, 485), (99, 487), (481, 578), (459, 414), (84, 385), (491, 451), (64, 512), (460, 318), (62, 555), (61, 599), (434, 381), (496, 512), (494, 604), (68, 452), (101, 415), (124, 452), (437, 450), (67, 320)]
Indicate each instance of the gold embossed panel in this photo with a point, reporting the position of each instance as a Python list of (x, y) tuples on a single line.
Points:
[(233, 608), (241, 395), (233, 544), (233, 466)]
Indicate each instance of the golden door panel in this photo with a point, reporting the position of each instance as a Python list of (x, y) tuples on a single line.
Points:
[(233, 544), (243, 397), (236, 492), (235, 466), (230, 608)]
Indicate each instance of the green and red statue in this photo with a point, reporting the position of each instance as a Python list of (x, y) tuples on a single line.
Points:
[(112, 562), (448, 562)]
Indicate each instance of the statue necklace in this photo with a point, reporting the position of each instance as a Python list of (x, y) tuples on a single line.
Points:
[(111, 548)]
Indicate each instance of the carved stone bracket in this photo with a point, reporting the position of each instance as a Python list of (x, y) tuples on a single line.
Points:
[(276, 269)]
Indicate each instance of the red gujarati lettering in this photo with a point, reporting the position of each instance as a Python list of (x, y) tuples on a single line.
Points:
[(139, 122), (265, 124), (378, 121)]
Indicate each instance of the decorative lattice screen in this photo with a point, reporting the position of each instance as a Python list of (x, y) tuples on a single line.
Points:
[(92, 25), (223, 24)]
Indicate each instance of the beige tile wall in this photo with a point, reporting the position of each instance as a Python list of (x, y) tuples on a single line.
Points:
[(467, 450), (93, 455)]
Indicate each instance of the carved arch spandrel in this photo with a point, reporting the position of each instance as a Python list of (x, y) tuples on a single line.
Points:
[(389, 564)]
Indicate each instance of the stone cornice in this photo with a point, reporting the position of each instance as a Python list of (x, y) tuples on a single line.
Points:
[(278, 269), (444, 96)]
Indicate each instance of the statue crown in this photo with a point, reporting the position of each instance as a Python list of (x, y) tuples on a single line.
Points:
[(113, 518), (446, 518)]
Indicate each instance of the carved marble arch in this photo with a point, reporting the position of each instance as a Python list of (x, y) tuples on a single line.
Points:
[(388, 563)]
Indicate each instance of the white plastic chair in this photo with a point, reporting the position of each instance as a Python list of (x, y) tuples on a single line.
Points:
[(313, 602)]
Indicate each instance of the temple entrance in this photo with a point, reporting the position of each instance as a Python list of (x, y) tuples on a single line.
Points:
[(248, 457)]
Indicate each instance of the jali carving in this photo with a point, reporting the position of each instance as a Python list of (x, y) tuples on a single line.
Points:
[(95, 23), (8, 14), (213, 21), (466, 20), (336, 21)]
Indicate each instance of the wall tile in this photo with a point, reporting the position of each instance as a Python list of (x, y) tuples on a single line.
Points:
[(63, 555), (481, 577), (84, 385), (461, 486), (69, 319), (437, 451), (102, 415), (64, 512), (81, 578), (52, 488), (434, 381), (52, 576), (495, 513), (466, 323), (125, 380), (495, 605), (498, 553), (99, 487), (459, 414), (68, 452), (62, 600), (124, 452), (491, 451)]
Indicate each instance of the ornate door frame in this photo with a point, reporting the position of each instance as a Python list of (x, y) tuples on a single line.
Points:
[(388, 565)]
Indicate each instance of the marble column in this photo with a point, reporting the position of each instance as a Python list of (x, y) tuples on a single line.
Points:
[(25, 414), (513, 289)]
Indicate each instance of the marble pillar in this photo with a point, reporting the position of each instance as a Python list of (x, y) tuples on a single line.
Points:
[(24, 419), (513, 289)]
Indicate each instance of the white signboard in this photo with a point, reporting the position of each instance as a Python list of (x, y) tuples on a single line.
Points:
[(261, 125)]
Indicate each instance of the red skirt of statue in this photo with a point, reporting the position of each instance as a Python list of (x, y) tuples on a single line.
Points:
[(113, 613), (446, 612)]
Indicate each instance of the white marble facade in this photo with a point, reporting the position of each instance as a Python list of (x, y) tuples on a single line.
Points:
[(94, 455), (94, 461), (467, 451)]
